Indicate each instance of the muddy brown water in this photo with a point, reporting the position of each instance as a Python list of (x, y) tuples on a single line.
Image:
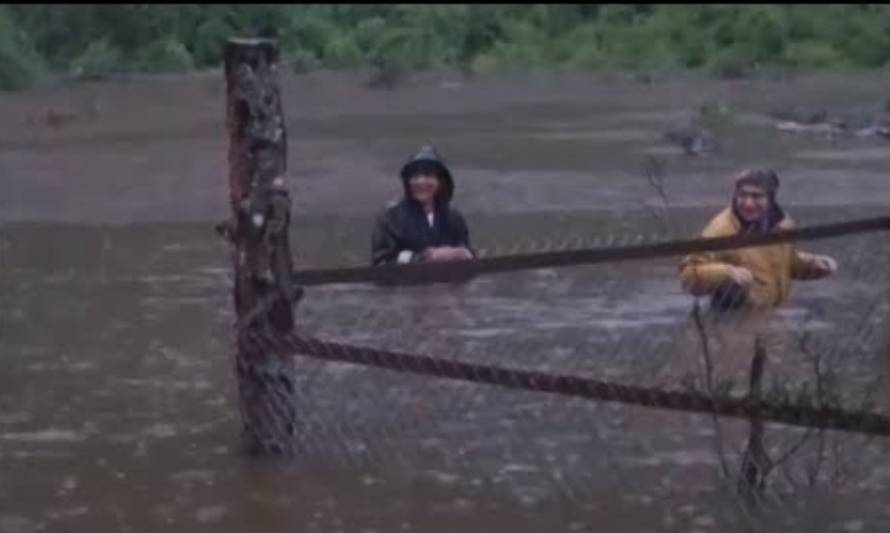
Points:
[(117, 403)]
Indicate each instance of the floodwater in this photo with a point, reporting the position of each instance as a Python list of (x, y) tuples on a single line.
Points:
[(118, 409)]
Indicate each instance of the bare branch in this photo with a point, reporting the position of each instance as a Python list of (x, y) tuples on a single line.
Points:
[(706, 355)]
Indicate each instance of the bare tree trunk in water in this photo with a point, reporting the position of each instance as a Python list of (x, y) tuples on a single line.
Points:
[(756, 463), (258, 232)]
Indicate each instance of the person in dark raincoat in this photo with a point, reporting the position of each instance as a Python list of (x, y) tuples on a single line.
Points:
[(423, 225)]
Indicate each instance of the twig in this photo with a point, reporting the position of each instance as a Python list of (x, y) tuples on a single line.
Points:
[(655, 174), (706, 355)]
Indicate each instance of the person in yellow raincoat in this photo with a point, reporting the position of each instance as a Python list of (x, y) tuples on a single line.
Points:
[(757, 278), (745, 284)]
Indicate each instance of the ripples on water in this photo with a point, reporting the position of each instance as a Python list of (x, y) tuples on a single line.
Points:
[(119, 411), (117, 401)]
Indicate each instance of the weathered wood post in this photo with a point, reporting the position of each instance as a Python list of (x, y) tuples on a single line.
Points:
[(258, 232), (756, 463), (886, 389)]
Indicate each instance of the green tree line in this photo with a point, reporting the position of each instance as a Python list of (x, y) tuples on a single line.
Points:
[(724, 40)]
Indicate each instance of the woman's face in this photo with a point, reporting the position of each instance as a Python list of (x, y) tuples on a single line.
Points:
[(752, 202), (424, 187)]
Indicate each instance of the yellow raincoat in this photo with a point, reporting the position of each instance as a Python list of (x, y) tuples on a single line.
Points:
[(730, 336), (773, 266)]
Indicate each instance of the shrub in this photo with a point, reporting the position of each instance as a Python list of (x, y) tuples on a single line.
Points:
[(307, 35), (302, 61), (19, 63), (342, 52), (166, 55), (485, 63), (760, 32), (732, 63), (98, 60), (207, 41), (812, 54), (727, 40)]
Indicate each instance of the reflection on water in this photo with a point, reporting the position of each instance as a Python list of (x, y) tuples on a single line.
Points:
[(117, 406)]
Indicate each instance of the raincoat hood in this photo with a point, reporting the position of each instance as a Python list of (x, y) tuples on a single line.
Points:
[(428, 159)]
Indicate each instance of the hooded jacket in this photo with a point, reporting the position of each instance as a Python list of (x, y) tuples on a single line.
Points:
[(772, 266), (739, 317), (404, 227)]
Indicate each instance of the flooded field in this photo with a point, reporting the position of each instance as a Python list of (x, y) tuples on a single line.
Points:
[(117, 401)]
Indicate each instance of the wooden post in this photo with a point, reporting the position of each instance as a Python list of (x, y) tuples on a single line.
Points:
[(886, 388), (883, 402), (258, 232), (756, 463)]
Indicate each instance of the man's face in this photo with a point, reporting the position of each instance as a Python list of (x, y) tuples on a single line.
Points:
[(751, 202), (424, 187)]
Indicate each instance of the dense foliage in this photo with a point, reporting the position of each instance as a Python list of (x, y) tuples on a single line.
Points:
[(724, 40)]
